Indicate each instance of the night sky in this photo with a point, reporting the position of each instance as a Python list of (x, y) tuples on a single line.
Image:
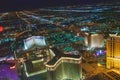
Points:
[(10, 5)]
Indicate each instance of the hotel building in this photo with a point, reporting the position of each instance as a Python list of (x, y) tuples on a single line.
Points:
[(64, 67), (113, 52)]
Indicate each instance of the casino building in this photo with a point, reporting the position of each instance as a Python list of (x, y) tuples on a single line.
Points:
[(94, 40), (49, 63), (64, 66)]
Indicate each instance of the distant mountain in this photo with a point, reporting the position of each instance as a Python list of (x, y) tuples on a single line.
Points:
[(11, 5)]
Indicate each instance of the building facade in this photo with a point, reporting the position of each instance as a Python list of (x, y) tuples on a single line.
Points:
[(65, 71), (113, 52), (94, 40), (65, 67)]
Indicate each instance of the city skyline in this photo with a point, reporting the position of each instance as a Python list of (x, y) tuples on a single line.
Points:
[(59, 41), (12, 5)]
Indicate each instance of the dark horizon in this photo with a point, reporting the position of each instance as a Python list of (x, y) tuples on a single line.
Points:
[(13, 5)]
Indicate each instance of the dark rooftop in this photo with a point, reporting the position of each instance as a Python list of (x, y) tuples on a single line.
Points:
[(58, 54)]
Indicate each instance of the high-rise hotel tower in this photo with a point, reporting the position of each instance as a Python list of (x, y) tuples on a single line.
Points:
[(113, 52)]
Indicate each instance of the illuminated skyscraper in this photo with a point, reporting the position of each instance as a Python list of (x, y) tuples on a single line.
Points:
[(113, 52), (94, 40)]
